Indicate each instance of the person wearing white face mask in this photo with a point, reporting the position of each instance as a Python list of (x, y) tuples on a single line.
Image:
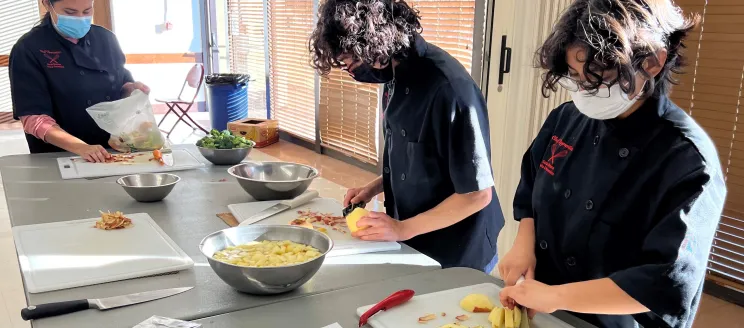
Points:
[(621, 192), (57, 70)]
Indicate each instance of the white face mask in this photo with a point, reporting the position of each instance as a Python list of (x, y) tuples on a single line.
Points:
[(607, 103)]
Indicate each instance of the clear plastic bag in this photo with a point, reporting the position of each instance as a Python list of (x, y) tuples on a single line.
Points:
[(131, 121)]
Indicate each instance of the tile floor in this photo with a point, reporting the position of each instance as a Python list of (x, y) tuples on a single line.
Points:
[(713, 311)]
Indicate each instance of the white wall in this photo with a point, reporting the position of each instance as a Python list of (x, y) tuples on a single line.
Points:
[(137, 24)]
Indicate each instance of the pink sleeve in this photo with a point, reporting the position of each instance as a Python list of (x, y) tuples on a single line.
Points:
[(37, 125)]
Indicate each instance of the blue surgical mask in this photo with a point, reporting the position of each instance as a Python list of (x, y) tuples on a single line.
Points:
[(73, 26)]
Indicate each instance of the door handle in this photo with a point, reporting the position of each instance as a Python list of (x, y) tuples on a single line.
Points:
[(505, 61)]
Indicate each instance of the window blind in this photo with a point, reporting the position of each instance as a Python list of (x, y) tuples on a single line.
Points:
[(348, 116), (292, 80), (247, 49), (449, 25), (711, 91), (16, 18)]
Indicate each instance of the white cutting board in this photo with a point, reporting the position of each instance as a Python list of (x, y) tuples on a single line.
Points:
[(344, 244), (69, 254), (448, 302), (76, 167)]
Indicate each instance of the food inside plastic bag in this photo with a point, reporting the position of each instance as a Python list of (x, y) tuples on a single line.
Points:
[(131, 121)]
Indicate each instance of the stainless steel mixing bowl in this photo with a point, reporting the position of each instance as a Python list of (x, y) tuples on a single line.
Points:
[(148, 187), (273, 180), (225, 156), (266, 280)]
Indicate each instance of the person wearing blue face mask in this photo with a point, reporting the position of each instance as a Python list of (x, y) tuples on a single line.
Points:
[(57, 70)]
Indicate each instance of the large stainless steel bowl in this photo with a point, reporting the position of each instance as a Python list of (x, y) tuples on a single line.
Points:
[(266, 280), (225, 156), (148, 187), (273, 180)]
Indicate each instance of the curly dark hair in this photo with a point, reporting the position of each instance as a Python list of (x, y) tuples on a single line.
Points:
[(366, 30), (618, 35)]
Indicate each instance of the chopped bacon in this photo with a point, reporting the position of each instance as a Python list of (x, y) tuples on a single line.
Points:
[(463, 317), (325, 219)]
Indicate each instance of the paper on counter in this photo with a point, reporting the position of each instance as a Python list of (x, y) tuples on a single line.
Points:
[(161, 322), (335, 325)]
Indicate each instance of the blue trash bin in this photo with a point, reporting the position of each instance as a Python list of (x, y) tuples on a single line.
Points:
[(227, 98)]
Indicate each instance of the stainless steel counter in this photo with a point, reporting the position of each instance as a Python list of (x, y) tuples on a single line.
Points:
[(36, 194), (340, 306)]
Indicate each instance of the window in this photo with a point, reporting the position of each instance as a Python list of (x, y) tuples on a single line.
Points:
[(245, 19), (711, 91), (348, 116), (292, 80), (16, 18), (449, 25), (274, 34)]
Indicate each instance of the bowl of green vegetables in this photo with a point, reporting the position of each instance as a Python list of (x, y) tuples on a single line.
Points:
[(224, 148)]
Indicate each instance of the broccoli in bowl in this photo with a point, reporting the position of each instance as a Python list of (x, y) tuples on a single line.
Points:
[(224, 140)]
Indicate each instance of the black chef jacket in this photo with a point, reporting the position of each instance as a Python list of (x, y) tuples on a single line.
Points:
[(49, 75), (437, 144), (636, 200)]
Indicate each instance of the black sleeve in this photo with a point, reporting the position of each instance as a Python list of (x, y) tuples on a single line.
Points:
[(676, 250), (530, 161), (122, 57), (29, 90), (468, 143)]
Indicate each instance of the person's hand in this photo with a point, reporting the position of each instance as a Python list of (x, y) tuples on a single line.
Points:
[(129, 87), (117, 144), (533, 295), (518, 262), (93, 153), (380, 227), (358, 195)]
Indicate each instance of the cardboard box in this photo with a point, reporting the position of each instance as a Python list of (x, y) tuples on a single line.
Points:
[(262, 132)]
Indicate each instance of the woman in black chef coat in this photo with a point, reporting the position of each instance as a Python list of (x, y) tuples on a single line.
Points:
[(60, 68), (437, 177), (621, 192)]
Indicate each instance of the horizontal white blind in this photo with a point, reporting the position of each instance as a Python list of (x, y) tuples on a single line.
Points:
[(348, 116), (449, 25), (292, 80), (247, 49), (16, 18), (711, 91)]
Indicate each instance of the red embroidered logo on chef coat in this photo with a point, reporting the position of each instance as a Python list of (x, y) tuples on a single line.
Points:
[(558, 149), (53, 57)]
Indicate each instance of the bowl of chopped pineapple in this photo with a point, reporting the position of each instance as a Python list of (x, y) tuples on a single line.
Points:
[(266, 259)]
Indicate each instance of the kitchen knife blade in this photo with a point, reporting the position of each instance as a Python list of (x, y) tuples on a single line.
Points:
[(59, 308), (282, 206), (167, 156)]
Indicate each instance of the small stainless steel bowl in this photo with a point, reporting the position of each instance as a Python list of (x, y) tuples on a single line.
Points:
[(273, 180), (149, 187), (267, 280), (225, 156)]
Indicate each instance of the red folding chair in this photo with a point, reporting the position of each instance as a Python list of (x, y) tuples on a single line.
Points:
[(186, 98)]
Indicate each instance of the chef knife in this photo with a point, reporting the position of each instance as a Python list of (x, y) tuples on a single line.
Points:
[(282, 206), (59, 308)]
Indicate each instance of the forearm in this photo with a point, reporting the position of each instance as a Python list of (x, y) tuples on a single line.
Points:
[(525, 233), (375, 186), (60, 138), (450, 211), (601, 296)]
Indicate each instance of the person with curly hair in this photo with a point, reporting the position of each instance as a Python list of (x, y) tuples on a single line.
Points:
[(621, 191), (437, 178)]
